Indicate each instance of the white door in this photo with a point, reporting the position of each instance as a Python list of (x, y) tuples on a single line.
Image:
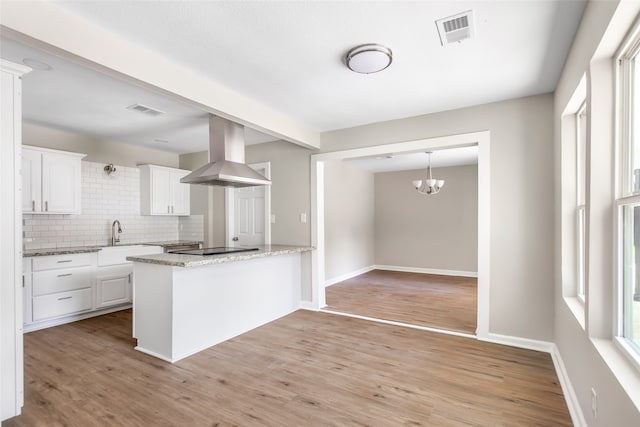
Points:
[(31, 180), (249, 220)]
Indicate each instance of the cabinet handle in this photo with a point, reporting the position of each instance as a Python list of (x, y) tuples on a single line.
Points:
[(168, 209), (171, 209), (61, 298), (64, 275), (33, 205), (65, 260), (46, 206)]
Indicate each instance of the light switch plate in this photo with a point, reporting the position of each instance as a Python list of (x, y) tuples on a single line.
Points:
[(303, 218)]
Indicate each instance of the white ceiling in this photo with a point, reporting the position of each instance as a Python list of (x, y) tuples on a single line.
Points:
[(289, 55), (392, 162)]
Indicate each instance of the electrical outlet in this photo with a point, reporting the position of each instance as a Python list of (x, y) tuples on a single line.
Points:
[(594, 403), (273, 218)]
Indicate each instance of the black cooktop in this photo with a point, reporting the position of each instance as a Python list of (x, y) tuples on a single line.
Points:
[(213, 251)]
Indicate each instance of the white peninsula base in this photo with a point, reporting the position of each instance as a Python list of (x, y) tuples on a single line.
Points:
[(180, 311)]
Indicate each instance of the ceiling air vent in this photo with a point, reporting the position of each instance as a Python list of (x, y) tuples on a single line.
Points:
[(456, 28), (145, 110)]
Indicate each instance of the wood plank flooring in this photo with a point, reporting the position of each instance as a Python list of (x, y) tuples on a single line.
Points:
[(306, 369), (442, 302)]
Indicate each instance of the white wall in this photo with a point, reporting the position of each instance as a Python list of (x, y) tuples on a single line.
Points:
[(106, 198), (96, 150), (521, 173), (590, 358), (349, 210), (431, 232), (11, 353)]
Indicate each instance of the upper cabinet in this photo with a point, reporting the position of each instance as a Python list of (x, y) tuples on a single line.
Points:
[(51, 181), (161, 192)]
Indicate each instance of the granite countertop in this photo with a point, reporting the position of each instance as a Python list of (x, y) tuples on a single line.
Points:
[(60, 251), (180, 260), (87, 249), (172, 243)]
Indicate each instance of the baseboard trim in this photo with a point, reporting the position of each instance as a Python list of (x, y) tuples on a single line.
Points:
[(348, 276), (577, 416), (439, 272), (512, 341)]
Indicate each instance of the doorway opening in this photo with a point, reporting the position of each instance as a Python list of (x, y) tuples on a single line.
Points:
[(248, 212), (320, 226)]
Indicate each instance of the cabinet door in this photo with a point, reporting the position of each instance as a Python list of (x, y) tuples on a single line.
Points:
[(160, 192), (31, 180), (113, 290), (180, 194), (61, 177)]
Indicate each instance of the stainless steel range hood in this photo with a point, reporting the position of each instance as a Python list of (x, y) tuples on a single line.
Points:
[(226, 167)]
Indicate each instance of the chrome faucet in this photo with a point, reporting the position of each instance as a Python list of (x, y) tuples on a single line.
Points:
[(115, 239)]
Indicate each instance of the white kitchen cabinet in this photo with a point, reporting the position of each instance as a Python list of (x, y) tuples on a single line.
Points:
[(61, 285), (51, 181), (162, 193), (114, 275)]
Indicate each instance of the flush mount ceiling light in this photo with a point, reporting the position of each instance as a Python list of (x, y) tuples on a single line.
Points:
[(369, 58)]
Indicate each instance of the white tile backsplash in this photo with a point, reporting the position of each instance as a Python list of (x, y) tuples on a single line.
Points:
[(106, 198)]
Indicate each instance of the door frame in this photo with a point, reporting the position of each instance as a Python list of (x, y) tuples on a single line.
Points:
[(230, 206), (481, 139)]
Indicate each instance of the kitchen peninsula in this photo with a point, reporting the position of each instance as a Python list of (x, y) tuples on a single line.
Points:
[(183, 304)]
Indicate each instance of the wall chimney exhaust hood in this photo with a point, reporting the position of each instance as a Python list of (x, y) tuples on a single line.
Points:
[(226, 167)]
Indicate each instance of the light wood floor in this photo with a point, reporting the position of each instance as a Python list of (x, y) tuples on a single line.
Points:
[(306, 369), (442, 302)]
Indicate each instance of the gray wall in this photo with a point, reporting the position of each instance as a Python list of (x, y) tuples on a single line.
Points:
[(290, 183), (435, 232), (584, 351), (349, 210), (521, 299), (207, 201), (96, 150), (289, 193)]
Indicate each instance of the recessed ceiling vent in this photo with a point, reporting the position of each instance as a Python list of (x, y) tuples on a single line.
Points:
[(145, 110), (456, 28)]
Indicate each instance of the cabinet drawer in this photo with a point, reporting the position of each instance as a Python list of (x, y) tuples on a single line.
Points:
[(68, 279), (63, 261), (60, 304)]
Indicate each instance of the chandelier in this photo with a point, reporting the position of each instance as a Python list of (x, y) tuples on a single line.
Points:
[(430, 185)]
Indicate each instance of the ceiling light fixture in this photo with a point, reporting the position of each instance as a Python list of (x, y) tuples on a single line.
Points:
[(369, 58), (430, 186)]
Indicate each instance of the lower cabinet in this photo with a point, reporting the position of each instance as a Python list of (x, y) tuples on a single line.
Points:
[(113, 286), (62, 288)]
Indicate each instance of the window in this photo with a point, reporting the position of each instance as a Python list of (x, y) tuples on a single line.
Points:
[(581, 169), (628, 200)]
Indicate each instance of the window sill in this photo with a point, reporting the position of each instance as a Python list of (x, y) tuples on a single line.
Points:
[(576, 305), (622, 368)]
